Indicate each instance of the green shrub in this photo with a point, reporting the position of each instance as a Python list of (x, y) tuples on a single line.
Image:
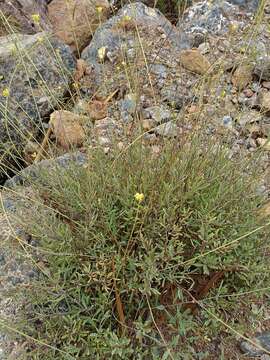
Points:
[(119, 266)]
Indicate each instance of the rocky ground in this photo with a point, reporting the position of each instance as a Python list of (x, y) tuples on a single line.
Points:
[(96, 74)]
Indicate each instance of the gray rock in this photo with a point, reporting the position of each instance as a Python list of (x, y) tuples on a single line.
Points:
[(16, 270), (160, 70), (227, 121), (263, 341), (262, 68), (207, 17), (128, 107), (32, 172), (246, 4), (36, 71), (249, 117), (118, 41), (176, 95), (169, 130), (158, 114)]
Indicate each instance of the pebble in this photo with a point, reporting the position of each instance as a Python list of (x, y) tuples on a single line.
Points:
[(248, 93), (104, 141), (158, 114), (266, 84), (262, 68), (169, 129), (264, 143), (128, 104), (227, 121)]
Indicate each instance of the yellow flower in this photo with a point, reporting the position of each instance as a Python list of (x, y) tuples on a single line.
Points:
[(99, 9), (75, 85), (139, 197), (5, 92), (223, 93), (40, 39), (126, 18), (102, 53), (36, 18), (233, 27)]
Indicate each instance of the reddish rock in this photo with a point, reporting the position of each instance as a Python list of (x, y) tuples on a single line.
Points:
[(67, 128), (75, 21), (194, 61)]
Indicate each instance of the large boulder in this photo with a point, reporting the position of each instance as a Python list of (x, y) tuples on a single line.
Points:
[(34, 171), (140, 43), (75, 21), (35, 71), (212, 17), (18, 15)]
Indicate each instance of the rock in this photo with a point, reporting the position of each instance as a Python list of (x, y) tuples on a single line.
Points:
[(204, 48), (176, 95), (246, 4), (242, 76), (15, 268), (227, 121), (249, 117), (266, 84), (147, 124), (262, 69), (263, 341), (169, 129), (97, 109), (128, 107), (75, 21), (81, 69), (30, 151), (264, 143), (246, 101), (20, 12), (104, 141), (264, 100), (209, 17), (158, 114), (118, 36), (32, 172), (248, 93), (194, 61), (254, 50), (106, 131), (67, 128), (32, 81), (128, 104), (265, 357)]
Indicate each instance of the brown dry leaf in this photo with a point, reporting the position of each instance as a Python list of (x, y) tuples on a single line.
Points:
[(67, 128), (98, 109), (242, 76), (194, 61)]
